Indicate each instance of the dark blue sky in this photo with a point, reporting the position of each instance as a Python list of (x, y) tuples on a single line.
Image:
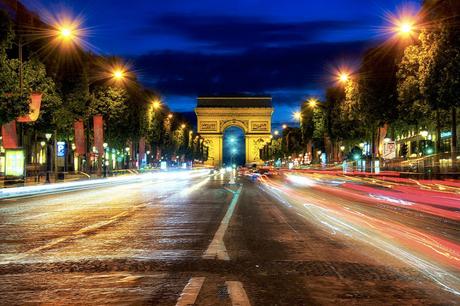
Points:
[(286, 49)]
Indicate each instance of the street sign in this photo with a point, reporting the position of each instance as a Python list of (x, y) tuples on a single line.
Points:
[(446, 134), (14, 162), (60, 150), (389, 150)]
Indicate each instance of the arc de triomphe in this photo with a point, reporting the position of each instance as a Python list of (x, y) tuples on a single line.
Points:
[(252, 114)]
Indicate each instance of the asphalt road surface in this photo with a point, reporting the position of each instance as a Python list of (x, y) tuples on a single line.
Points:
[(193, 239)]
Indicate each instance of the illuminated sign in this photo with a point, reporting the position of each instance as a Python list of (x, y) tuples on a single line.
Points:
[(389, 150), (446, 134), (60, 149), (14, 162)]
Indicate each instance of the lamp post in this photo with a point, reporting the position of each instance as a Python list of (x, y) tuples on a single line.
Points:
[(48, 157), (127, 157), (105, 161)]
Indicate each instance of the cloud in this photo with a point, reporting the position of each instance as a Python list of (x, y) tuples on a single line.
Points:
[(227, 33), (258, 70), (236, 54)]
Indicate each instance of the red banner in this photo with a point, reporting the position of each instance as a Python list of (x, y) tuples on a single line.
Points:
[(10, 138), (98, 122), (34, 108), (80, 143), (141, 150)]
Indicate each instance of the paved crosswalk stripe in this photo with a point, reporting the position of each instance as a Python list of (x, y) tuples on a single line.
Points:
[(237, 293), (190, 292)]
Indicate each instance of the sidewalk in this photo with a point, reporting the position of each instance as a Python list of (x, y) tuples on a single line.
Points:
[(34, 181)]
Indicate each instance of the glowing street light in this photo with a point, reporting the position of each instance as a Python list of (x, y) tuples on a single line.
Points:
[(118, 74), (276, 132), (403, 23), (284, 126), (170, 116), (344, 77), (297, 116), (312, 102), (183, 125), (156, 104), (65, 33), (406, 28)]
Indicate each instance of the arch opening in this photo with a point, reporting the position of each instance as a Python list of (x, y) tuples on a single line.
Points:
[(234, 146)]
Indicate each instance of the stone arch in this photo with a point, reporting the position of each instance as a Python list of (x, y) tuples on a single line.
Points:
[(251, 114), (225, 124)]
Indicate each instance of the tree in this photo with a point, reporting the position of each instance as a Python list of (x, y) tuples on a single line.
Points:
[(414, 109), (377, 90), (441, 81)]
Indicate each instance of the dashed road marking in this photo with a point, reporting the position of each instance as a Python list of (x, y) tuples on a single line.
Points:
[(237, 293), (190, 291), (217, 249)]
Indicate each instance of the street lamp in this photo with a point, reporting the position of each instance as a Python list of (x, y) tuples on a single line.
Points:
[(297, 116), (404, 26), (127, 157), (276, 132), (284, 126), (105, 145), (312, 102), (118, 74), (48, 157), (67, 30), (170, 116), (344, 77), (156, 104), (183, 126)]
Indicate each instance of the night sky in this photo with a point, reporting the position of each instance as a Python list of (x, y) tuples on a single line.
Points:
[(287, 49)]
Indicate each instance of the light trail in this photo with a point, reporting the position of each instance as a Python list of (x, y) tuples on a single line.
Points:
[(6, 193), (438, 203), (435, 257)]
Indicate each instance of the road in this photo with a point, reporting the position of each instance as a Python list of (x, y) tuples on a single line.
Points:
[(191, 238)]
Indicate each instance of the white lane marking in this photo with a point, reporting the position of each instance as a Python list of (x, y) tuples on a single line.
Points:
[(190, 291), (237, 293), (217, 249)]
